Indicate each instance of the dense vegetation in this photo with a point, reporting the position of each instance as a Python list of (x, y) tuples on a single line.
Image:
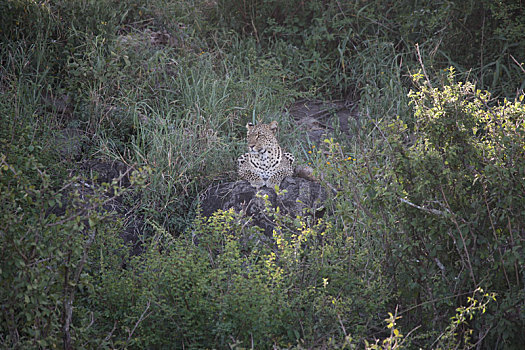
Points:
[(421, 245)]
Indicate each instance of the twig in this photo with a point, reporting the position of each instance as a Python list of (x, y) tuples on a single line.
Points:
[(489, 214), (479, 342), (393, 346), (108, 337), (91, 322), (340, 8), (462, 239), (513, 245), (255, 31), (434, 300), (481, 47), (422, 65), (69, 291), (408, 334), (427, 210), (381, 132), (519, 65), (141, 318), (359, 204), (342, 326)]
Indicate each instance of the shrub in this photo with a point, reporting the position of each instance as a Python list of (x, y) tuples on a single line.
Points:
[(228, 285), (456, 197), (44, 256), (53, 235)]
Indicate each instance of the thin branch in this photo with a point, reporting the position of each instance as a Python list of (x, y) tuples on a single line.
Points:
[(519, 65), (342, 325), (435, 300), (422, 65), (108, 337), (489, 214), (408, 334), (69, 292), (141, 318), (471, 270), (427, 210), (91, 322), (381, 132)]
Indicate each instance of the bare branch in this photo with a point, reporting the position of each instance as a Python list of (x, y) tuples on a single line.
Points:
[(108, 337), (141, 318), (422, 65), (427, 210), (518, 64)]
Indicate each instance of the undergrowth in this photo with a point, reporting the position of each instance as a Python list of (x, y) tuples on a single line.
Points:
[(421, 245)]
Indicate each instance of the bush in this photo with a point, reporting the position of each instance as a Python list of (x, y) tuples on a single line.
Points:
[(226, 285), (53, 235), (457, 178), (43, 257)]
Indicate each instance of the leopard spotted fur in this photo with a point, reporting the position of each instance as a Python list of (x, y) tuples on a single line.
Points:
[(266, 163)]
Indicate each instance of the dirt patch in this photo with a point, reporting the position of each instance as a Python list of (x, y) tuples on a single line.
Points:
[(320, 118)]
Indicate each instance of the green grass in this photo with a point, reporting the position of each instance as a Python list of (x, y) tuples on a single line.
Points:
[(168, 87)]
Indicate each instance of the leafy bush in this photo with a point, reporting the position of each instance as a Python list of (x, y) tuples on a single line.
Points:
[(45, 258), (53, 231), (226, 285), (440, 192), (455, 191)]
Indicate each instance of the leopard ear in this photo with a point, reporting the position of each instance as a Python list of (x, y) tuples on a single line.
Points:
[(273, 126), (249, 126)]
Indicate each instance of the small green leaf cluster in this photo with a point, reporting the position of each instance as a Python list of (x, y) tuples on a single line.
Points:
[(454, 333)]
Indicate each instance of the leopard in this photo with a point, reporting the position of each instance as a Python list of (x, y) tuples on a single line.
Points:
[(266, 163)]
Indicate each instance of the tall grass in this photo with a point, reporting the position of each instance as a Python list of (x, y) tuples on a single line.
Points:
[(189, 110)]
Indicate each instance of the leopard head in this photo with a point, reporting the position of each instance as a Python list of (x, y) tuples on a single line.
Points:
[(261, 137)]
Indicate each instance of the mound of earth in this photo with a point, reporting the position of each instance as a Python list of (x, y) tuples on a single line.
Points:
[(298, 197)]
